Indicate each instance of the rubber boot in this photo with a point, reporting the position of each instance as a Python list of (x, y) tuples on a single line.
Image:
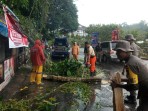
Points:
[(38, 79), (32, 77), (94, 73), (91, 74)]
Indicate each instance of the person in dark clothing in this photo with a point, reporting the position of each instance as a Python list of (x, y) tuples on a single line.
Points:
[(85, 52), (130, 38), (136, 49), (98, 50), (138, 74)]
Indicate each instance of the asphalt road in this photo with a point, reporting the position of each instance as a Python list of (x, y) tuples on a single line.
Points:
[(21, 80), (111, 67), (104, 96)]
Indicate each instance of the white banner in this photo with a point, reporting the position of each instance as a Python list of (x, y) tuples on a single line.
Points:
[(16, 37), (8, 72)]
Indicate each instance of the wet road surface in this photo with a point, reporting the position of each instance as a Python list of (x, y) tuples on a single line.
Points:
[(102, 101)]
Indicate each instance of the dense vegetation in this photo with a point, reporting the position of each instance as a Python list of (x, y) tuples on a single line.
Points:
[(53, 100), (45, 17), (50, 18), (139, 30)]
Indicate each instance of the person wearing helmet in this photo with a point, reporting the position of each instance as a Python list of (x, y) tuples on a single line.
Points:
[(130, 38), (137, 74), (37, 59), (134, 46)]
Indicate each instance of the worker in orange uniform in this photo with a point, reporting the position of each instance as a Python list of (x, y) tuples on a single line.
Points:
[(91, 59), (75, 51), (37, 59)]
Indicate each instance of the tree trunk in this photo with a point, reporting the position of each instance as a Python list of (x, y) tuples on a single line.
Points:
[(72, 79)]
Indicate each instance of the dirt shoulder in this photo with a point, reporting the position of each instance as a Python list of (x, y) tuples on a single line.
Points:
[(20, 79)]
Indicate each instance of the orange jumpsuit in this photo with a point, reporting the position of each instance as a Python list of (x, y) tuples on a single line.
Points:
[(93, 64), (75, 51)]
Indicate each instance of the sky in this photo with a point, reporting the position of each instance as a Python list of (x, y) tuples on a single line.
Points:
[(111, 11)]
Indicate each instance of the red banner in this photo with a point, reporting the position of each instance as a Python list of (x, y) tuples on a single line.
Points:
[(16, 37), (115, 35)]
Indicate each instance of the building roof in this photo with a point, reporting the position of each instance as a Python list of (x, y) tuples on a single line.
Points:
[(81, 27)]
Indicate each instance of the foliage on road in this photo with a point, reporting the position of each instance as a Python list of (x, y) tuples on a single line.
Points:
[(79, 89), (52, 99), (67, 67)]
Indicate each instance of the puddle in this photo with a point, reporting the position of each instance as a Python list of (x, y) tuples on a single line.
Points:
[(103, 99)]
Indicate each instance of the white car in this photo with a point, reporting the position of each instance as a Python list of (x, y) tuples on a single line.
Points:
[(108, 52)]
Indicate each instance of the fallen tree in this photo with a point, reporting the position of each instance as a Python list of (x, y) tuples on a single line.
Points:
[(71, 79)]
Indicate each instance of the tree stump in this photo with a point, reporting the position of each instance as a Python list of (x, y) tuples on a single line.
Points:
[(118, 103)]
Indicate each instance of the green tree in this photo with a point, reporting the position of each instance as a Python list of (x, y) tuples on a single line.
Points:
[(63, 16), (105, 31), (139, 30), (41, 17), (33, 15)]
